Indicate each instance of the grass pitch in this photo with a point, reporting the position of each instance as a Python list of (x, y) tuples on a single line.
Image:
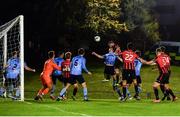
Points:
[(103, 101)]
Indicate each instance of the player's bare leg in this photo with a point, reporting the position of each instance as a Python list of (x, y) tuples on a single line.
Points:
[(155, 88)]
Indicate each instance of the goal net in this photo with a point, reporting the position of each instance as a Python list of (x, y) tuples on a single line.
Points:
[(12, 67)]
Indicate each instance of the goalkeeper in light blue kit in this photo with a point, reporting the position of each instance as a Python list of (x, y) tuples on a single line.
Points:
[(77, 65)]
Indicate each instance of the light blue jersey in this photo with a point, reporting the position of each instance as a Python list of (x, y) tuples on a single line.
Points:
[(58, 61), (110, 58), (138, 65), (78, 63), (13, 69)]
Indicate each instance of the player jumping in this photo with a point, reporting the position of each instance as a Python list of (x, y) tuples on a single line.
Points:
[(109, 71)]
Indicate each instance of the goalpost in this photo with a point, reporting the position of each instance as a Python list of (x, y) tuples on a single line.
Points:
[(12, 39)]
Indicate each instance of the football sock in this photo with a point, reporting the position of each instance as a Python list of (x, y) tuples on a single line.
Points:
[(162, 88), (63, 91), (139, 89), (40, 91), (45, 91), (85, 91), (136, 89), (17, 92), (53, 89), (118, 91), (156, 93), (128, 93), (75, 91), (124, 92), (171, 92)]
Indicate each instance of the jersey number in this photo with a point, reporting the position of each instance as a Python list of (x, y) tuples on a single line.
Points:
[(165, 60), (76, 63), (128, 57)]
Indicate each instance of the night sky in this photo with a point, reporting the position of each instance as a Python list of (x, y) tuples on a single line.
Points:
[(43, 27)]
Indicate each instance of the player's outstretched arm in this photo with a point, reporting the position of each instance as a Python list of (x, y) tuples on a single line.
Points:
[(119, 58), (152, 62), (26, 67), (97, 55), (29, 69)]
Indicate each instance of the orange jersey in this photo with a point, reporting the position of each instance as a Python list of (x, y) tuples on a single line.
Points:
[(49, 67)]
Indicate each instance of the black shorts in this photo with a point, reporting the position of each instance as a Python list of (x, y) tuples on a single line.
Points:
[(15, 82), (60, 78), (138, 78), (74, 78), (109, 70), (128, 75), (163, 78)]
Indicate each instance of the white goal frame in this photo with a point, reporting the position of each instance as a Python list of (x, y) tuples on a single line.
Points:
[(3, 34)]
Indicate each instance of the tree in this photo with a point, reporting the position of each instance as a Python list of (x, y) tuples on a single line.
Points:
[(103, 16), (140, 20)]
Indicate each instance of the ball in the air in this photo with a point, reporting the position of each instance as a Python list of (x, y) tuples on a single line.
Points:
[(97, 38)]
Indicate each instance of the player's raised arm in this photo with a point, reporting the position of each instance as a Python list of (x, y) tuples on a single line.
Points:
[(97, 55)]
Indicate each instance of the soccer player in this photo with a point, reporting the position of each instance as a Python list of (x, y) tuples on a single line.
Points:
[(77, 65), (12, 71), (109, 71), (49, 67), (66, 72), (57, 74), (163, 62), (166, 94), (128, 73), (138, 65)]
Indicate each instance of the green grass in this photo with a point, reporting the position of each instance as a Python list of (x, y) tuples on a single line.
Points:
[(103, 101)]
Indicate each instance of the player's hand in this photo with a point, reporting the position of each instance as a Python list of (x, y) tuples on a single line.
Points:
[(93, 53), (34, 70), (89, 73)]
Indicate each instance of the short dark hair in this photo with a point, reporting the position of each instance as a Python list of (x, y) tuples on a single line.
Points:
[(158, 50), (51, 54), (163, 48), (60, 52), (130, 45), (81, 51), (68, 55), (15, 53), (138, 52)]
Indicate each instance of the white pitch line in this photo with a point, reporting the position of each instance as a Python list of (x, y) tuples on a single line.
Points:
[(65, 111), (59, 109)]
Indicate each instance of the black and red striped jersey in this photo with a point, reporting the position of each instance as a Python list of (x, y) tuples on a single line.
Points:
[(128, 57), (163, 61)]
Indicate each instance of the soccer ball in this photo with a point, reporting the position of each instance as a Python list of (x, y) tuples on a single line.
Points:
[(97, 38)]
